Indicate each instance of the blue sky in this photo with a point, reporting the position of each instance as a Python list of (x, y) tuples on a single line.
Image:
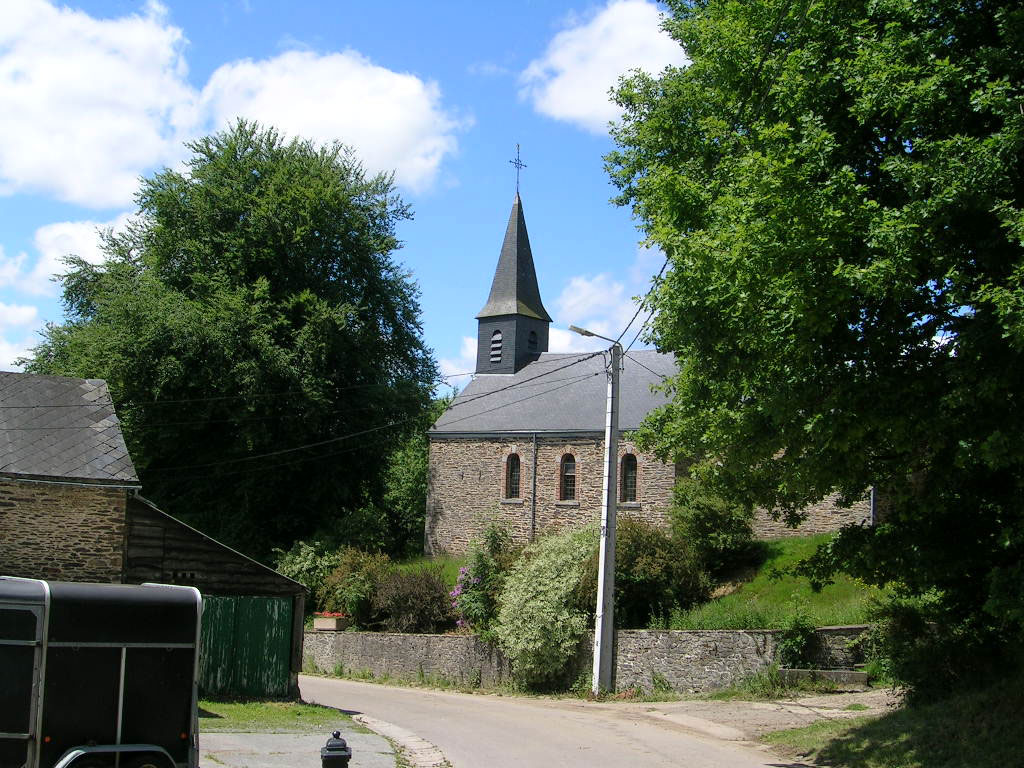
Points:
[(96, 93)]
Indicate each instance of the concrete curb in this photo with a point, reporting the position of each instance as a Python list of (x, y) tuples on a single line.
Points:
[(419, 752)]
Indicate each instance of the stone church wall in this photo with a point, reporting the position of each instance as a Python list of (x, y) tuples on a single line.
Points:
[(63, 532), (466, 487), (824, 517)]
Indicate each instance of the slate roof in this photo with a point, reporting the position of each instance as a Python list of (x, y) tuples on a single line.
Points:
[(514, 290), (54, 427), (554, 395)]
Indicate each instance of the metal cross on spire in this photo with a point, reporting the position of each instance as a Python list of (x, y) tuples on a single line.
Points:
[(519, 164)]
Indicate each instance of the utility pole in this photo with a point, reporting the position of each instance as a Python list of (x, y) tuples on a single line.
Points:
[(604, 623)]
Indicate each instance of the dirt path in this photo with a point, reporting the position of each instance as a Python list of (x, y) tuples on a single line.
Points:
[(748, 720)]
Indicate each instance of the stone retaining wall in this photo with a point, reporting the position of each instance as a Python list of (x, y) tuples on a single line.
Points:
[(685, 661), (458, 658)]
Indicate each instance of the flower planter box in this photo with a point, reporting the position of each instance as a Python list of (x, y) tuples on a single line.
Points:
[(331, 623)]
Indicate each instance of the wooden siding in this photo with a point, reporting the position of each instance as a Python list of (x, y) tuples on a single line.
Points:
[(246, 647), (162, 549)]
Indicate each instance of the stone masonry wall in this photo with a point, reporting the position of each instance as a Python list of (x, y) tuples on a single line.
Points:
[(64, 532), (466, 487), (459, 658), (824, 517), (686, 661)]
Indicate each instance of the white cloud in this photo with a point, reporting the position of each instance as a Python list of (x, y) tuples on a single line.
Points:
[(458, 370), (89, 103), (12, 350), (52, 243), (393, 120), (604, 305), (17, 315), (561, 340), (20, 322), (99, 102), (582, 63)]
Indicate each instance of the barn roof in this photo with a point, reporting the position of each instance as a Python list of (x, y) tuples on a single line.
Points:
[(55, 427), (557, 393)]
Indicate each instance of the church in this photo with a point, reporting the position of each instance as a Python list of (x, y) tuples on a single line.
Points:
[(523, 444)]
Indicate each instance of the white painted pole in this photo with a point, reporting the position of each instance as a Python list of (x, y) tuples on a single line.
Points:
[(604, 624)]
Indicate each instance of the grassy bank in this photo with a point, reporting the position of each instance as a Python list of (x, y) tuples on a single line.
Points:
[(980, 729), (269, 717), (449, 566), (766, 599)]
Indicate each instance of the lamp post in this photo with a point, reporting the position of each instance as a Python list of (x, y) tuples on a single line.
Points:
[(604, 623)]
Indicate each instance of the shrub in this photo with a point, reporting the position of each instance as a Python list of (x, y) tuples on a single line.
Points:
[(799, 644), (720, 533), (655, 573), (350, 587), (475, 596), (413, 600), (931, 653), (309, 563), (540, 616)]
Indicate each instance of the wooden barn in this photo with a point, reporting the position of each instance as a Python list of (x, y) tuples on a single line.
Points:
[(71, 510)]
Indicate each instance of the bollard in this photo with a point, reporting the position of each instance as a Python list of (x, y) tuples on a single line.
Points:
[(336, 753)]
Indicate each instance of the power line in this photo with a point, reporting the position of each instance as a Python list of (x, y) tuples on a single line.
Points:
[(659, 375), (568, 382), (250, 457), (642, 302), (187, 400)]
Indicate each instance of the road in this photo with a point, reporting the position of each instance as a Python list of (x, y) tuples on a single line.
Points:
[(487, 731)]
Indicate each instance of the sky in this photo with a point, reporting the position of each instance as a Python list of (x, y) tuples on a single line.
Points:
[(95, 94)]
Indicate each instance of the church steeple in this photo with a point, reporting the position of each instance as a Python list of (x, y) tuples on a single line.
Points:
[(513, 325)]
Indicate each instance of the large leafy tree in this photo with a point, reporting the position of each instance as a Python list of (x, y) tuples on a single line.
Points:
[(838, 187), (254, 308)]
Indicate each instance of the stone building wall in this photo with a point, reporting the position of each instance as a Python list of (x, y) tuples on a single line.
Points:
[(685, 661), (466, 487), (824, 517), (59, 531)]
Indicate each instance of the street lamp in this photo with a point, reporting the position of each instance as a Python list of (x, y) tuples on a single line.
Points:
[(604, 623)]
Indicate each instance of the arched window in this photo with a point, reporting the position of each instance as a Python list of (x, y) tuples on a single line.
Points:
[(627, 482), (531, 341), (495, 347), (567, 478), (512, 476)]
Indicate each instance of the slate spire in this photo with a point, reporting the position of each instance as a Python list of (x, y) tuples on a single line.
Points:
[(514, 290), (512, 328)]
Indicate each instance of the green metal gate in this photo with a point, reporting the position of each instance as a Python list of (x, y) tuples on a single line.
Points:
[(246, 646)]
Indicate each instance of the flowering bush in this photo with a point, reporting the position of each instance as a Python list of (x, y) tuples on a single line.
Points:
[(330, 614), (475, 596), (541, 617), (350, 587), (309, 563)]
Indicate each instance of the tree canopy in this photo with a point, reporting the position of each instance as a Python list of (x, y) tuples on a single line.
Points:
[(254, 308), (838, 187)]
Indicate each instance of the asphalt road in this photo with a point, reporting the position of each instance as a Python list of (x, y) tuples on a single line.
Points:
[(477, 731)]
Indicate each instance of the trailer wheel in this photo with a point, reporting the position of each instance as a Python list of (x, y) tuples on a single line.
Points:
[(148, 760)]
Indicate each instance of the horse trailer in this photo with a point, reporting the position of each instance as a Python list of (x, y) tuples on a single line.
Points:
[(98, 675)]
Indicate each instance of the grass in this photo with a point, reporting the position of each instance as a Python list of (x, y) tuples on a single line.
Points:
[(449, 566), (980, 729), (768, 600), (769, 685), (270, 717)]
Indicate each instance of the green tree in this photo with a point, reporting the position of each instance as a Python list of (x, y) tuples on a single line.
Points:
[(839, 187), (254, 308)]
